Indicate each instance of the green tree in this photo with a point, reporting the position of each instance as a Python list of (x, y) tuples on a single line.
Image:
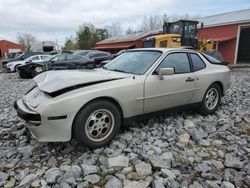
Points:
[(69, 44), (88, 35)]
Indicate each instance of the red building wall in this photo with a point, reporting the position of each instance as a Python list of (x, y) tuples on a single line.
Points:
[(226, 47), (6, 45)]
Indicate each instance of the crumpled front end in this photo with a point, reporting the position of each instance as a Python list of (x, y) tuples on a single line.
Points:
[(45, 128)]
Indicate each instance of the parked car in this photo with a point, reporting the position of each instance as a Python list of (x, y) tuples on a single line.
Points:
[(13, 66), (119, 53), (22, 57), (84, 52), (92, 105), (59, 62), (13, 55), (113, 56), (99, 56)]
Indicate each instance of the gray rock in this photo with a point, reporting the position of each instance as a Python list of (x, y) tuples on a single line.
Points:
[(167, 174), (247, 119), (195, 185), (188, 123), (92, 178), (52, 175), (143, 169), (211, 184), (159, 161), (203, 167), (89, 169), (114, 183), (207, 176), (134, 184), (217, 164), (157, 184), (3, 178), (232, 162), (227, 184), (127, 170), (84, 184), (71, 181), (118, 162), (28, 179), (64, 185), (26, 151), (198, 134), (75, 171)]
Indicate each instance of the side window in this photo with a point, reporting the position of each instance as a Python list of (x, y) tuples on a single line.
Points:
[(44, 56), (35, 58), (178, 61), (198, 64)]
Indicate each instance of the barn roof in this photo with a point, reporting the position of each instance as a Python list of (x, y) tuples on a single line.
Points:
[(241, 16), (130, 37)]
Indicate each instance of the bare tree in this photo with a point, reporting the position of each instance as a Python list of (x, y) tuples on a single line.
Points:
[(151, 23), (26, 39), (129, 31), (114, 29), (175, 17)]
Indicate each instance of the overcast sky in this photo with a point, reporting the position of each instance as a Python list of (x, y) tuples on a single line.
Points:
[(57, 19)]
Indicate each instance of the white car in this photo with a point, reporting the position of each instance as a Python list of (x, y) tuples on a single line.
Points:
[(13, 66), (92, 105)]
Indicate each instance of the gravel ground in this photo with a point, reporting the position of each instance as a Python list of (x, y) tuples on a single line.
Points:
[(181, 149)]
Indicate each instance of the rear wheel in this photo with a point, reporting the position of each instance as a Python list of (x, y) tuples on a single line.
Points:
[(211, 99), (16, 68), (97, 124)]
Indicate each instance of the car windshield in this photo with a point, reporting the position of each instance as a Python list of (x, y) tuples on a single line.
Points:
[(133, 62)]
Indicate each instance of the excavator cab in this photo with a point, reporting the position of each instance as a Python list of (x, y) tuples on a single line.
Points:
[(186, 28)]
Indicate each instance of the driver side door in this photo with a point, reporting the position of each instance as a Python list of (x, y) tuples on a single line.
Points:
[(173, 90)]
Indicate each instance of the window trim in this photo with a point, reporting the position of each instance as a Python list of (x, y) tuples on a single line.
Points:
[(189, 62), (189, 54)]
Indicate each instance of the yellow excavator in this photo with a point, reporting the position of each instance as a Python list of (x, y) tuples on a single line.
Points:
[(182, 33)]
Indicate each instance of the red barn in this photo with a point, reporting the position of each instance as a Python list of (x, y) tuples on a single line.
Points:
[(7, 47), (115, 44), (231, 31)]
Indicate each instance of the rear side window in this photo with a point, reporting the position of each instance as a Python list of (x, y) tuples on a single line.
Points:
[(198, 64), (178, 61)]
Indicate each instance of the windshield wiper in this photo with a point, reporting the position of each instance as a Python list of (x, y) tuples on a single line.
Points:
[(117, 70)]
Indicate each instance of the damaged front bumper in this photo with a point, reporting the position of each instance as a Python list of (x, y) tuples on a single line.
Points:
[(45, 128)]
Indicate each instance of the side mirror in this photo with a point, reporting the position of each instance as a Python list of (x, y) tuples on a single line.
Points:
[(165, 71)]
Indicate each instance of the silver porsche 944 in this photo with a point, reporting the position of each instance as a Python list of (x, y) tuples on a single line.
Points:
[(92, 105)]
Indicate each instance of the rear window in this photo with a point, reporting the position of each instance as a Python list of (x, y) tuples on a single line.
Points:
[(197, 62), (211, 59)]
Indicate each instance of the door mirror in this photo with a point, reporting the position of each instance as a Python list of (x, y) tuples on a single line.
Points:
[(165, 71)]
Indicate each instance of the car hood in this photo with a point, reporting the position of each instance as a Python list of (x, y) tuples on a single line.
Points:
[(52, 81)]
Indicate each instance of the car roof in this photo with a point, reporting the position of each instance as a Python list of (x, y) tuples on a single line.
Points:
[(164, 50)]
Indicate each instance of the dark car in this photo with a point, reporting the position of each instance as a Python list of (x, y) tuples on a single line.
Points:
[(59, 62), (114, 56), (99, 56), (22, 57)]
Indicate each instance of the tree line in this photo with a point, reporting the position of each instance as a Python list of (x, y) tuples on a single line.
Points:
[(88, 34)]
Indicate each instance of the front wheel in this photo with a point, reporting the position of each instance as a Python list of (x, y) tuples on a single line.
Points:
[(97, 124), (211, 100)]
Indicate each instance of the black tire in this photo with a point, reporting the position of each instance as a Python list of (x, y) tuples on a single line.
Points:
[(205, 110), (83, 121), (16, 68), (34, 72), (22, 75)]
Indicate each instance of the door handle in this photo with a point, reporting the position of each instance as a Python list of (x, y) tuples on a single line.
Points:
[(189, 79)]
